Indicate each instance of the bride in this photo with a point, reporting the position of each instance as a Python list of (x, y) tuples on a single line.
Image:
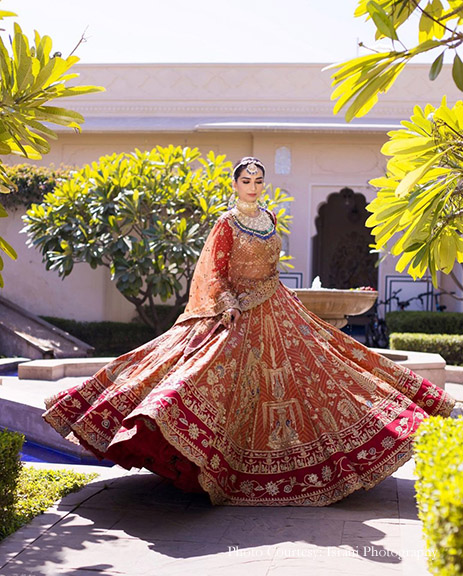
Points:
[(249, 396)]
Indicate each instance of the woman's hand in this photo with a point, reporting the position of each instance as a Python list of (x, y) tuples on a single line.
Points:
[(230, 316)]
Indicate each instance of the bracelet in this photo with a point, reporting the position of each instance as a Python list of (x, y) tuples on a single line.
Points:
[(227, 316)]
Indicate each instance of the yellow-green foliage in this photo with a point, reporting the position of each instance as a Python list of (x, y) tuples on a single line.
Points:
[(10, 466), (417, 213), (31, 77), (437, 25), (439, 488), (449, 346), (38, 489)]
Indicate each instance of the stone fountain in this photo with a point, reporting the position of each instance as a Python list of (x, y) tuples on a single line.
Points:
[(335, 306)]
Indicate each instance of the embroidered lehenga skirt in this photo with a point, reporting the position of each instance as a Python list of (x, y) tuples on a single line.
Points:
[(282, 409)]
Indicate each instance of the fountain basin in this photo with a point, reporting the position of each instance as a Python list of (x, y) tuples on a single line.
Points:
[(334, 305)]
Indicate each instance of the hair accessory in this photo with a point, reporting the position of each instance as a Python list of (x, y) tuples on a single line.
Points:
[(251, 168), (251, 164)]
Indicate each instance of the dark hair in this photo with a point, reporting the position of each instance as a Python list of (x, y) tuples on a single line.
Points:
[(241, 165)]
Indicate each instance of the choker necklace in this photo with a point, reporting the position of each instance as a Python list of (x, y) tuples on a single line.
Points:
[(260, 225), (248, 208)]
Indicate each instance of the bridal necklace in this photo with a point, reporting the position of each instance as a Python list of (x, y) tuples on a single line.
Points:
[(259, 225), (248, 208)]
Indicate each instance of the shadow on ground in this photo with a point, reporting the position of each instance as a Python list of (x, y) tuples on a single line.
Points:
[(133, 523)]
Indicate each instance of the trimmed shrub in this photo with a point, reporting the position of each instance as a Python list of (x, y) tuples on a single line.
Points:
[(449, 346), (33, 183), (108, 338), (439, 492), (38, 489), (10, 467), (425, 322)]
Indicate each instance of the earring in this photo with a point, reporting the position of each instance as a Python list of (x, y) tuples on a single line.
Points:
[(232, 201)]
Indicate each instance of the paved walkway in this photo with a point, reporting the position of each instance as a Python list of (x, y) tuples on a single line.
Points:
[(135, 524)]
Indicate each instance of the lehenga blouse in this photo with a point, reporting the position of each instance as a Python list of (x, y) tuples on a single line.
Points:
[(237, 268)]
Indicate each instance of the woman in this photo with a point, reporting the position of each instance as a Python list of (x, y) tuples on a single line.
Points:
[(249, 396)]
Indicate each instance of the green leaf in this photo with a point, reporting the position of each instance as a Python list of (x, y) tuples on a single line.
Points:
[(150, 246), (408, 146), (6, 14), (457, 72), (382, 21), (368, 96), (8, 249), (356, 65), (436, 66), (413, 177), (80, 90)]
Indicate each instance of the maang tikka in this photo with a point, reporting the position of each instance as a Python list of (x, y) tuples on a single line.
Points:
[(252, 169)]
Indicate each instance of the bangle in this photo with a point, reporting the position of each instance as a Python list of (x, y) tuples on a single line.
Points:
[(227, 316)]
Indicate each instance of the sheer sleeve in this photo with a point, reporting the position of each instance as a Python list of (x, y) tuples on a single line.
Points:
[(211, 292)]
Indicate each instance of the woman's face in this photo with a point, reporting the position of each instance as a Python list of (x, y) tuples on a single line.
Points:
[(249, 187)]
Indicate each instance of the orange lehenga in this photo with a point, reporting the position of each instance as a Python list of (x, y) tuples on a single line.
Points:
[(280, 409)]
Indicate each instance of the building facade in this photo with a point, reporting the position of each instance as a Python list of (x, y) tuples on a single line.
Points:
[(282, 114)]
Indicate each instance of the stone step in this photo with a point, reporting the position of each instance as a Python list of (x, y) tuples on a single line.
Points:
[(454, 374), (23, 333), (60, 368)]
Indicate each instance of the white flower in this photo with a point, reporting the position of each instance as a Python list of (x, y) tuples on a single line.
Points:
[(362, 455), (313, 478), (272, 488), (358, 354), (246, 487), (193, 431), (388, 442), (326, 473), (215, 462)]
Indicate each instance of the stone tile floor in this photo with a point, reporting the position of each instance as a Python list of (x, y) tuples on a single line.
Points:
[(135, 524)]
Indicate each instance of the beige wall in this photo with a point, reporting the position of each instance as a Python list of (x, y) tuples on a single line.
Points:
[(271, 106)]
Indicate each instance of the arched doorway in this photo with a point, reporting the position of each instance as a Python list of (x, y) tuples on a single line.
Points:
[(341, 252)]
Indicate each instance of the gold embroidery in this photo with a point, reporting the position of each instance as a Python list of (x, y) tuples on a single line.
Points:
[(280, 417)]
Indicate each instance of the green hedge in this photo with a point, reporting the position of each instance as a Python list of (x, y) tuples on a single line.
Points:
[(10, 467), (108, 338), (439, 492), (425, 322), (32, 182), (449, 346)]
